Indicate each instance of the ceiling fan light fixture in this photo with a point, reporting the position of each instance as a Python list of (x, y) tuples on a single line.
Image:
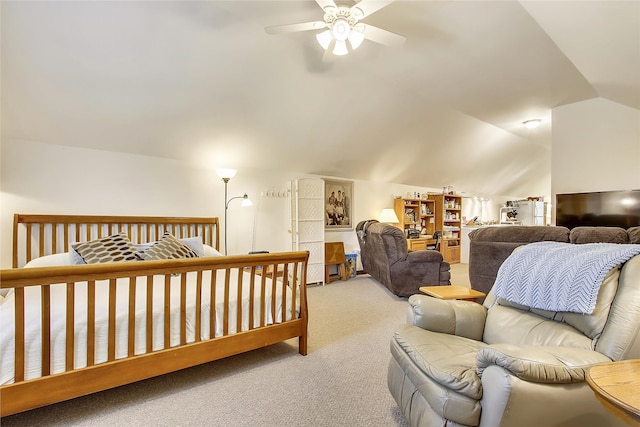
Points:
[(324, 38), (355, 38), (532, 124), (340, 48), (341, 29)]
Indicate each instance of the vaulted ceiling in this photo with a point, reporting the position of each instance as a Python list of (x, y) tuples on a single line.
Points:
[(203, 82)]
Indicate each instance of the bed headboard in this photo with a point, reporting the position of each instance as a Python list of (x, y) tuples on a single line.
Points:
[(39, 235)]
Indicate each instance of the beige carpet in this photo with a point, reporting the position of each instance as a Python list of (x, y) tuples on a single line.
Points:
[(341, 382)]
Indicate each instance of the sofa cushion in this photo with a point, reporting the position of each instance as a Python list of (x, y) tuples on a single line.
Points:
[(581, 235), (409, 384), (634, 235), (520, 234), (446, 359), (507, 324)]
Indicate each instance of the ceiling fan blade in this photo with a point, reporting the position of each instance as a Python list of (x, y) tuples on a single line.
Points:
[(367, 7), (326, 3), (381, 36), (291, 28)]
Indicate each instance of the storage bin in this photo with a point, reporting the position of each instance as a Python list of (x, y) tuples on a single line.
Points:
[(352, 265)]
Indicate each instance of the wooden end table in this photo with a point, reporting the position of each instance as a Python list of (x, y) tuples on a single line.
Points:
[(616, 386), (452, 292)]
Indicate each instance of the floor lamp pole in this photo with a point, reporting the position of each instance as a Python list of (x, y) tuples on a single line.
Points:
[(226, 206)]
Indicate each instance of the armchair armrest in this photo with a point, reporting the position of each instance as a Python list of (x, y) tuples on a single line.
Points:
[(427, 255), (541, 364), (453, 317)]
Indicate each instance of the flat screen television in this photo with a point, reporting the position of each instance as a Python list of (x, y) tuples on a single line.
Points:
[(605, 208)]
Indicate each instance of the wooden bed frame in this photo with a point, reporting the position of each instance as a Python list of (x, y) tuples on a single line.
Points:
[(39, 235)]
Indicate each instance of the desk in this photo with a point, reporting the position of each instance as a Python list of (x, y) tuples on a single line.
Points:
[(421, 243), (617, 386), (452, 292), (269, 271)]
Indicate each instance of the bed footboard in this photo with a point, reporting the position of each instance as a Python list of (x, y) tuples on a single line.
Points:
[(125, 322)]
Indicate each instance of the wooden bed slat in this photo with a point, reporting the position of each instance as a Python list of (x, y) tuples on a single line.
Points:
[(46, 330), (131, 317), (70, 327), (149, 314), (29, 238), (111, 352), (41, 240), (213, 306), (263, 305), (239, 298), (198, 306), (183, 309), (91, 323), (19, 362), (167, 310), (54, 239), (252, 297)]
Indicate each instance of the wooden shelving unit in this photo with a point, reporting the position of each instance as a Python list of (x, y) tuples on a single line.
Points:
[(448, 220), (419, 215)]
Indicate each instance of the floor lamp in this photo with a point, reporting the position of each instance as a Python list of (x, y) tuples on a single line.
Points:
[(226, 175)]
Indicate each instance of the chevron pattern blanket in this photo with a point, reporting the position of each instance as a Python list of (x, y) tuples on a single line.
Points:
[(559, 276)]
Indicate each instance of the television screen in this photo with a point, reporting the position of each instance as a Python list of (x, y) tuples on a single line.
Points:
[(606, 208)]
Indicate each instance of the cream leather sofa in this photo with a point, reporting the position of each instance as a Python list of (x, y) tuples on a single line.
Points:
[(458, 363)]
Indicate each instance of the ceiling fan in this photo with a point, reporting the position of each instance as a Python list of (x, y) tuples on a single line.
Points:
[(342, 24)]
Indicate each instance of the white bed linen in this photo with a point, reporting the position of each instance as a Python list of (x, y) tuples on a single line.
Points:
[(58, 304)]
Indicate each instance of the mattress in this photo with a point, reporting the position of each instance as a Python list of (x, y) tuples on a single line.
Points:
[(58, 309)]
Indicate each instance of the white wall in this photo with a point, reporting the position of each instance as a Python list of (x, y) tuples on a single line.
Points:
[(45, 178), (596, 147)]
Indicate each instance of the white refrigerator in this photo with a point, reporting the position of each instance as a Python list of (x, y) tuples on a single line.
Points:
[(531, 213)]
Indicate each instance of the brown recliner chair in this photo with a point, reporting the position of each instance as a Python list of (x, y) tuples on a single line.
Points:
[(384, 255)]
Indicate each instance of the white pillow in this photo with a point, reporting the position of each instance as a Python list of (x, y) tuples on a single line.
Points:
[(54, 260), (195, 243), (210, 251)]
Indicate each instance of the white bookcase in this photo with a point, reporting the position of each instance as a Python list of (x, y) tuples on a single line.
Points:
[(307, 224)]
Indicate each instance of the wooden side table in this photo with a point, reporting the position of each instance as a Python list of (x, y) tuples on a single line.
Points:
[(334, 255), (617, 386), (452, 292)]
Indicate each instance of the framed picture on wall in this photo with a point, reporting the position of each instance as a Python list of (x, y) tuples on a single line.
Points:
[(338, 204)]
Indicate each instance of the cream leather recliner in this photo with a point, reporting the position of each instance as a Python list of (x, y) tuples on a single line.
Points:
[(458, 363)]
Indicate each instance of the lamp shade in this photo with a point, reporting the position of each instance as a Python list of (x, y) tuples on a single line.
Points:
[(325, 38), (226, 173), (340, 48), (388, 216)]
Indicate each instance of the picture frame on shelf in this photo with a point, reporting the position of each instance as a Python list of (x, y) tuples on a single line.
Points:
[(338, 204)]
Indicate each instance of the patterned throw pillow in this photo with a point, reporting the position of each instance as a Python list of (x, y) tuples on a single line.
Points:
[(168, 247), (114, 248)]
